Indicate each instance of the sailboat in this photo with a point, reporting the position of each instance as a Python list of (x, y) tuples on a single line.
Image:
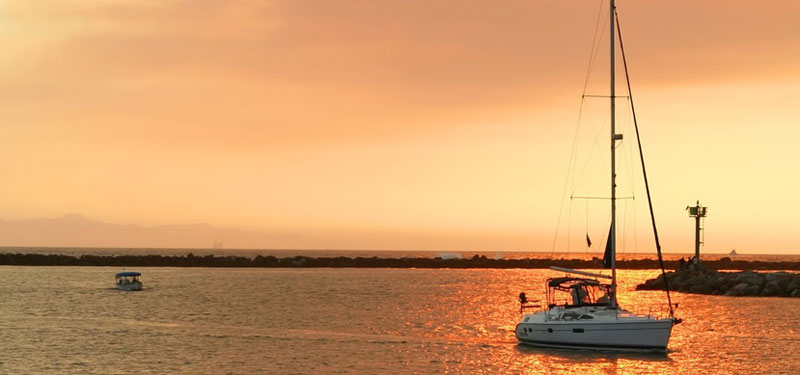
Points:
[(582, 309)]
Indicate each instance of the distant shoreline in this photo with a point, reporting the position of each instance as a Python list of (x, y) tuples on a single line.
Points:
[(259, 261), (382, 253)]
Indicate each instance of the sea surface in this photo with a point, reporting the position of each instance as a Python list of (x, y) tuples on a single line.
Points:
[(69, 320)]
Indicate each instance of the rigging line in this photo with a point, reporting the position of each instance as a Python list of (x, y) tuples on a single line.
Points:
[(628, 161), (624, 224), (586, 229), (592, 57), (569, 225), (631, 179), (578, 214), (644, 170), (635, 230), (604, 198), (595, 44), (626, 220), (569, 177), (603, 96), (591, 151), (584, 112), (573, 157), (570, 167), (573, 166)]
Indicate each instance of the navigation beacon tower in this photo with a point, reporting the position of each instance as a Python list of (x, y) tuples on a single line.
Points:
[(698, 212)]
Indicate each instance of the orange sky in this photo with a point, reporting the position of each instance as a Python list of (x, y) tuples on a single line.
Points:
[(392, 124)]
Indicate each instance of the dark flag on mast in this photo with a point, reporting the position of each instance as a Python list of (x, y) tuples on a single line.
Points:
[(588, 241), (607, 254)]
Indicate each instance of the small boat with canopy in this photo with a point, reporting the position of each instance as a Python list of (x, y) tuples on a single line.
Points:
[(128, 281)]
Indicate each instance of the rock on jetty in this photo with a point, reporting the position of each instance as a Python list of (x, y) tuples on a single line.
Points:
[(745, 283)]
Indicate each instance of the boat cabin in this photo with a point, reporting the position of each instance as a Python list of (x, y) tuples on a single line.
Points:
[(575, 292)]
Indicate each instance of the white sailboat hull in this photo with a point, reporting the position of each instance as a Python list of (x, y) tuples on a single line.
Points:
[(637, 333)]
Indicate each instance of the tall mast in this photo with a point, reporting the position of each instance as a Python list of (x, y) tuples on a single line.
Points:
[(613, 235)]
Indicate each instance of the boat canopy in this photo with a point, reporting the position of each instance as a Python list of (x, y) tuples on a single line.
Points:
[(124, 274), (567, 282), (577, 291)]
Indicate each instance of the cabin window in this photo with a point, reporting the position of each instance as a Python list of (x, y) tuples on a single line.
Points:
[(577, 330)]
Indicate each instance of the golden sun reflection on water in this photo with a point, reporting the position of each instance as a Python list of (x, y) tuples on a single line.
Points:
[(713, 338), (590, 363)]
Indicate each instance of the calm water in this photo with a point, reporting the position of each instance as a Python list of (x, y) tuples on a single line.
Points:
[(67, 320)]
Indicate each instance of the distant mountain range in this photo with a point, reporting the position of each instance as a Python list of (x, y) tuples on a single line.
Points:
[(80, 232), (77, 231)]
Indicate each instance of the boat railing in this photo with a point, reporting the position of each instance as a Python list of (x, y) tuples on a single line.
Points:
[(655, 311), (532, 306), (525, 304), (559, 312)]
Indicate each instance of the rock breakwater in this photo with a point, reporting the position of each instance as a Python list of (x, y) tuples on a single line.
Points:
[(269, 261), (744, 283)]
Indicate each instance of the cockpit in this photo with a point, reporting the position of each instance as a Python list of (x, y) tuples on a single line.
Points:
[(574, 292)]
